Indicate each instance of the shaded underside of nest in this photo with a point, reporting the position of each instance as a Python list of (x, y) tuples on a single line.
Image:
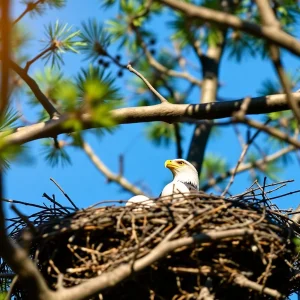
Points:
[(235, 243)]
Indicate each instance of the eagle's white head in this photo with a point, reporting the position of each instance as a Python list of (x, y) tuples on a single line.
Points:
[(183, 171)]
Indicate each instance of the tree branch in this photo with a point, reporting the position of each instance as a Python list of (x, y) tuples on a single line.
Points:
[(35, 89), (276, 36), (161, 68), (150, 87), (242, 281), (110, 175), (247, 166), (167, 113), (269, 19)]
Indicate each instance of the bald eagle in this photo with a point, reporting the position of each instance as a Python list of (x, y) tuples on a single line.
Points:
[(185, 178)]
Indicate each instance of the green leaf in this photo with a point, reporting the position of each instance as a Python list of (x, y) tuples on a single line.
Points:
[(60, 39), (95, 38), (55, 154), (160, 133)]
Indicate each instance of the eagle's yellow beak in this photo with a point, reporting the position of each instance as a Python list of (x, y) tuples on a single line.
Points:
[(170, 164)]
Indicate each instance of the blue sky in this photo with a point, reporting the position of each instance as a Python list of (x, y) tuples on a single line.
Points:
[(143, 161)]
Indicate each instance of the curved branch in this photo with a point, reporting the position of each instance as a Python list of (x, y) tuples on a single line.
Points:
[(274, 35), (167, 113), (123, 182)]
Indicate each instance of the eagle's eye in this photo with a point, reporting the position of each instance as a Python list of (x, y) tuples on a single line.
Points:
[(181, 162)]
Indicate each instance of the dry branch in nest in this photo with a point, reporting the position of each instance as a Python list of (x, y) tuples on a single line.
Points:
[(199, 247)]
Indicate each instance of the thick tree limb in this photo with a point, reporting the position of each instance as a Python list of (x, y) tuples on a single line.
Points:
[(123, 182), (273, 35), (35, 89), (210, 68), (167, 113)]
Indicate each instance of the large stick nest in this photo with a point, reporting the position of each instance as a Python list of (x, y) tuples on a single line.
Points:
[(242, 248)]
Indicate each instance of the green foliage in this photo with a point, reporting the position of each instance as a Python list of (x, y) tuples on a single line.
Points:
[(3, 295), (122, 28), (39, 7), (213, 166), (55, 154), (60, 39), (160, 133), (95, 39), (296, 242), (9, 119)]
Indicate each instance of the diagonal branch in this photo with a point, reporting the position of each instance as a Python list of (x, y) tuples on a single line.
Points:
[(35, 89), (150, 87), (260, 164), (269, 19), (273, 35), (123, 182)]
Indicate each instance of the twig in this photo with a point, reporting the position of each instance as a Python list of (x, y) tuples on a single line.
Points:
[(30, 62), (24, 218), (242, 281), (242, 156), (55, 202), (161, 68), (26, 10), (65, 194), (151, 88), (247, 166)]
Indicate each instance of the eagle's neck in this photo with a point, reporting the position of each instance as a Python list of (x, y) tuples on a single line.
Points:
[(190, 179)]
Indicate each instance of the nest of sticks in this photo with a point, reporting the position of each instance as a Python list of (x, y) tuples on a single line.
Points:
[(199, 246)]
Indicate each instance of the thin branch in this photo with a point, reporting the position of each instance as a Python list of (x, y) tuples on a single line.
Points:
[(123, 182), (35, 89), (151, 88), (167, 113), (162, 69), (276, 36), (30, 62), (271, 131), (242, 281), (65, 194), (269, 19), (27, 10), (242, 156), (247, 166)]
